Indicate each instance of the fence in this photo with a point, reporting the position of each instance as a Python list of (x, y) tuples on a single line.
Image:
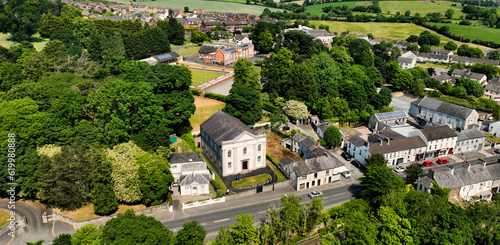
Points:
[(265, 188), (214, 82), (203, 203)]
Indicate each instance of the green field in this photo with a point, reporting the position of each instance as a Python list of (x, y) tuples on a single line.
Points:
[(188, 51), (317, 9), (473, 32), (4, 42), (251, 180), (208, 6), (388, 31), (199, 76)]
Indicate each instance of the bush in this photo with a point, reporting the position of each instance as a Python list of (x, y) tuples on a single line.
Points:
[(216, 185), (195, 92), (270, 107), (218, 97)]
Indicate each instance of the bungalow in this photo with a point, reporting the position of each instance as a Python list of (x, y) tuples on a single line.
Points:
[(401, 45), (441, 52), (472, 61), (190, 173), (444, 78)]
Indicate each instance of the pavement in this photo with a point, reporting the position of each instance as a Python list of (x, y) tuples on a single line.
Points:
[(401, 101)]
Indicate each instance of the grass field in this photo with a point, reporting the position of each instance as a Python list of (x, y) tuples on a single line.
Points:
[(473, 32), (317, 9), (388, 31), (205, 108), (421, 7), (4, 215), (209, 6), (4, 42), (251, 180), (87, 211), (188, 51), (199, 76)]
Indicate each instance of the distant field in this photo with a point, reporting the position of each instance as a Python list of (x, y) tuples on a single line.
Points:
[(205, 108), (388, 31), (317, 9), (209, 6), (6, 43), (473, 32), (199, 76)]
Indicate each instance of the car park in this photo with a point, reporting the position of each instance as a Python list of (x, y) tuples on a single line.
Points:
[(442, 161), (346, 156), (399, 169), (346, 174), (427, 163), (314, 194)]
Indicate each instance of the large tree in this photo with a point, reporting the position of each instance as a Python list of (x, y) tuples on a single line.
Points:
[(192, 233), (129, 228), (332, 136)]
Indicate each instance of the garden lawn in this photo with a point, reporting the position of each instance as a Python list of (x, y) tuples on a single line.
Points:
[(387, 31), (251, 180), (199, 76), (4, 215), (432, 65), (208, 6), (87, 211), (39, 44), (280, 175), (473, 32), (492, 138), (205, 108)]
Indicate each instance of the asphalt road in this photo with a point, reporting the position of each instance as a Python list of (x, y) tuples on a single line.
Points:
[(213, 217)]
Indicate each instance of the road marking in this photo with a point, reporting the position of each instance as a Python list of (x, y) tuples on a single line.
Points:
[(221, 220), (203, 224), (261, 212), (175, 229), (339, 194)]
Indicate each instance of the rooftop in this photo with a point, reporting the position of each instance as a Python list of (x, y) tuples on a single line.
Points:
[(444, 107), (184, 157), (397, 145), (222, 127), (317, 164), (439, 132)]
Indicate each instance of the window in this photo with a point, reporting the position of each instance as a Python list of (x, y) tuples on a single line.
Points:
[(259, 158), (244, 150), (302, 186), (327, 171), (304, 177), (315, 175), (259, 147), (229, 153), (228, 164)]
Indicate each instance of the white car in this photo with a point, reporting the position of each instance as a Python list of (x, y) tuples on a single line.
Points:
[(399, 169), (346, 174), (314, 194)]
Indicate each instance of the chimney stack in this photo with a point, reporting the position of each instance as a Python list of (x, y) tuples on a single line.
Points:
[(380, 141), (388, 141)]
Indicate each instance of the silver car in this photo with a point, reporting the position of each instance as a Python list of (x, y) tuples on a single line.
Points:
[(314, 194)]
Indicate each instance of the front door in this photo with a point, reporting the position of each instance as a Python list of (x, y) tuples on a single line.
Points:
[(245, 165)]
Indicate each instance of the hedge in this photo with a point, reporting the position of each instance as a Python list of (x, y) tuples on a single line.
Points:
[(270, 107), (195, 92), (218, 97)]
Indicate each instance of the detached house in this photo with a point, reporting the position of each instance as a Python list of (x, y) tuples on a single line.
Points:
[(190, 173), (231, 145), (442, 113)]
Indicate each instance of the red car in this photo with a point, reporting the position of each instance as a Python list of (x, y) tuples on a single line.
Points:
[(428, 163), (442, 161)]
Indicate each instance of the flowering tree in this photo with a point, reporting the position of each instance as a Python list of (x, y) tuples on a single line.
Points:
[(295, 109)]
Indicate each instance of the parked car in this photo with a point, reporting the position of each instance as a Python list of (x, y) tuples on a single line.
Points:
[(346, 156), (497, 151), (346, 174), (314, 194), (442, 161), (427, 163), (399, 169)]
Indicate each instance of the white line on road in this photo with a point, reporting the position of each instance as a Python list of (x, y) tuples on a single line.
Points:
[(261, 212), (175, 229), (203, 224), (217, 221), (339, 194)]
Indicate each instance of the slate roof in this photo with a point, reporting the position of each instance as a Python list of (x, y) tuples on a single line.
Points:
[(439, 132), (468, 134), (191, 178), (406, 60), (476, 76), (440, 51), (222, 127), (393, 135), (166, 57), (357, 141), (493, 85), (426, 181), (397, 145), (444, 107), (286, 160), (317, 164), (442, 77), (459, 72), (184, 157), (205, 49), (474, 60), (463, 177), (305, 141)]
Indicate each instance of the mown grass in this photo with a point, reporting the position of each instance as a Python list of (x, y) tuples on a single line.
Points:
[(432, 65), (473, 32), (317, 9), (188, 51), (6, 43), (87, 211), (205, 108), (250, 180), (492, 138), (208, 6), (202, 76), (4, 215), (280, 175), (388, 31)]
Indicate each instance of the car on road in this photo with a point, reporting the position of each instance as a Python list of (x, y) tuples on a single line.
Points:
[(346, 174), (427, 163), (314, 194), (497, 151), (346, 156), (399, 169), (442, 161)]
